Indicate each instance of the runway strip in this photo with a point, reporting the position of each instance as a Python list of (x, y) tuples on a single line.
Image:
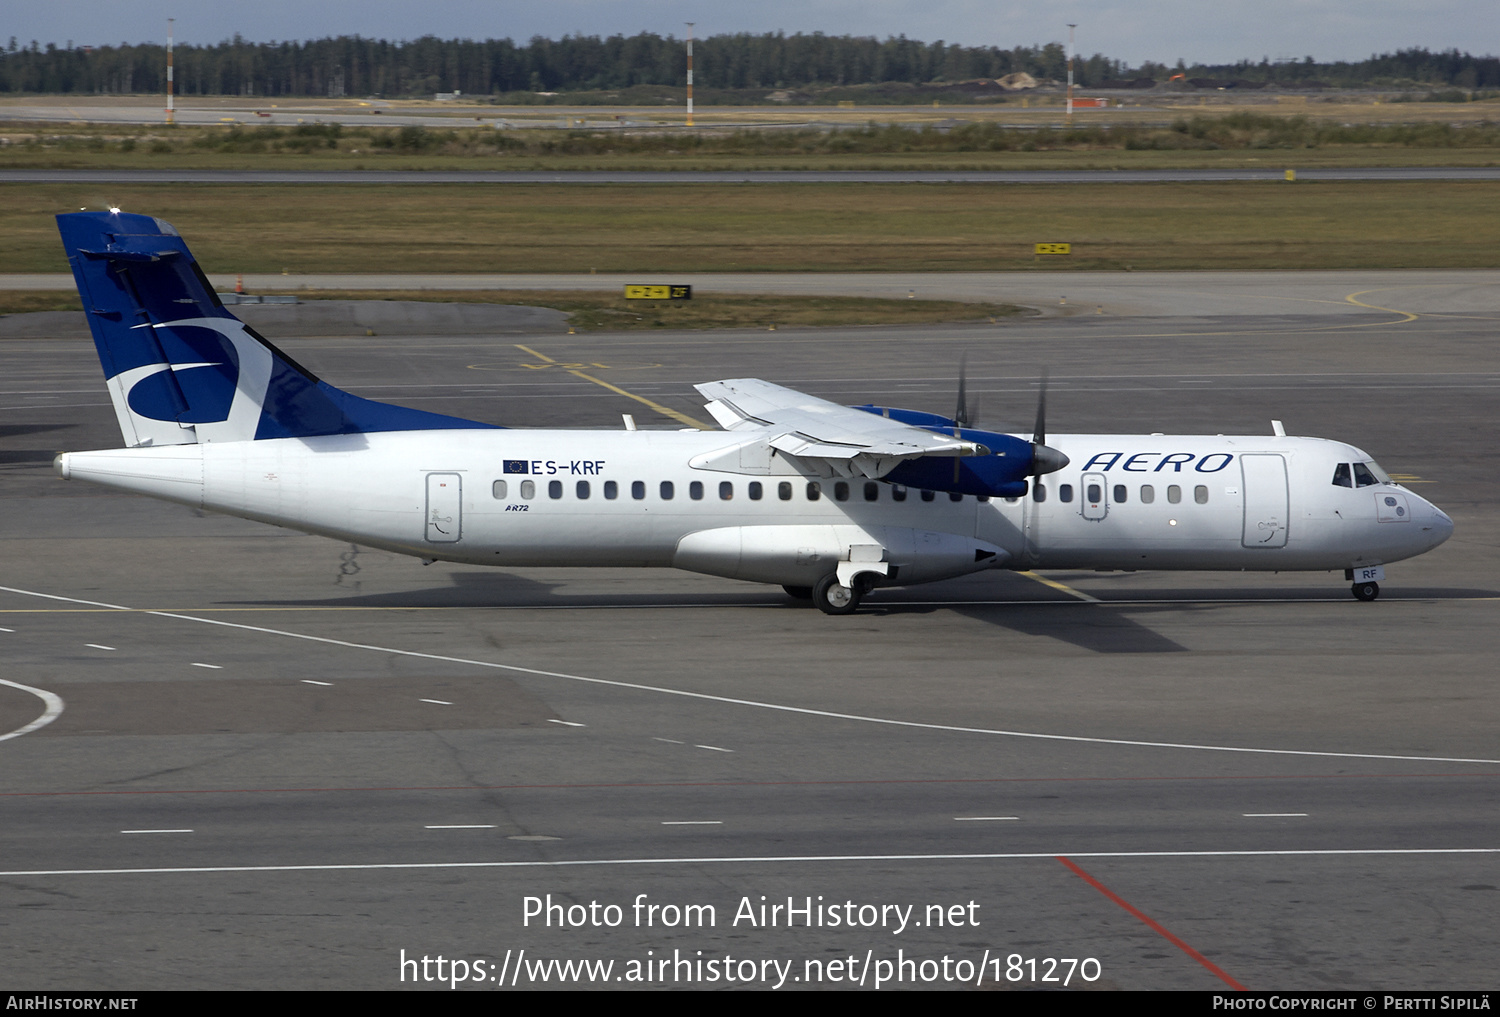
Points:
[(750, 702), (752, 859)]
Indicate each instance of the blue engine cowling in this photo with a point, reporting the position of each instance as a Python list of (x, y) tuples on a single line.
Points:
[(1003, 473)]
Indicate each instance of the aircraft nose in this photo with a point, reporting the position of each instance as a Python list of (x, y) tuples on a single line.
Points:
[(1438, 527)]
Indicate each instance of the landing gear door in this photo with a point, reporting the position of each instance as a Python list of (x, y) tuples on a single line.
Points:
[(444, 507), (1266, 508)]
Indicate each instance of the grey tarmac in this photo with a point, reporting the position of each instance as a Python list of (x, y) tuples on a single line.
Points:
[(380, 756)]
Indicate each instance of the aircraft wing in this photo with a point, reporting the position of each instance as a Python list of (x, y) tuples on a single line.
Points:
[(806, 427)]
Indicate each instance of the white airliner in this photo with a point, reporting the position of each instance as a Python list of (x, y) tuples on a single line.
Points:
[(828, 501)]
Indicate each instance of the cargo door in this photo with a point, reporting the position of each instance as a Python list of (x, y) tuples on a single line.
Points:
[(1266, 508)]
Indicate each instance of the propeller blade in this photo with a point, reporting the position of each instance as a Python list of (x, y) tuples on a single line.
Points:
[(1039, 433), (1044, 458), (961, 415)]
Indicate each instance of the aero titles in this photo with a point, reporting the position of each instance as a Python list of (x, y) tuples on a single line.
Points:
[(1138, 462)]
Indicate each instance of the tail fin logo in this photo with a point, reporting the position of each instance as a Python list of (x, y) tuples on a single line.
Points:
[(213, 384)]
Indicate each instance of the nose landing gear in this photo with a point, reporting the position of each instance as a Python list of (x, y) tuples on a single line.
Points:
[(1366, 581)]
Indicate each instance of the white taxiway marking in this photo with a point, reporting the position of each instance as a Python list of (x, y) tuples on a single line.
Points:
[(216, 667), (712, 748), (435, 702), (1270, 815), (463, 826), (52, 710), (669, 741), (7, 630), (309, 681), (771, 859), (756, 704), (566, 723), (692, 822), (98, 646), (982, 819), (156, 831)]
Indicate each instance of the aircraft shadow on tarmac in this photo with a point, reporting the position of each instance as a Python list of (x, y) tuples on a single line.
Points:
[(1100, 628)]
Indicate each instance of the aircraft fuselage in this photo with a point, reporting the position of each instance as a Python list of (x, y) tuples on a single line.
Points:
[(634, 498)]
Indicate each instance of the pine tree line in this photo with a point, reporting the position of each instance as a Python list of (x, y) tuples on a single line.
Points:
[(351, 65)]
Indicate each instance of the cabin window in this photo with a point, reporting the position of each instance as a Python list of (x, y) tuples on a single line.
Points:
[(1039, 492), (985, 497), (1200, 495), (841, 491), (1119, 494), (1341, 476), (611, 490), (1174, 493), (784, 491), (814, 492), (667, 490), (898, 493), (928, 495), (955, 496), (726, 490), (582, 490), (528, 489), (1095, 494), (554, 489), (695, 490), (1064, 492), (1148, 494), (638, 490), (755, 490), (498, 490), (872, 490), (1363, 477)]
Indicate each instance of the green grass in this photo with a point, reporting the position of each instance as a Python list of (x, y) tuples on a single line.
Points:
[(603, 310), (1116, 139), (591, 311), (786, 227)]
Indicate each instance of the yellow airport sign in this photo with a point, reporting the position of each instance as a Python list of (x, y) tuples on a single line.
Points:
[(658, 293), (1054, 248)]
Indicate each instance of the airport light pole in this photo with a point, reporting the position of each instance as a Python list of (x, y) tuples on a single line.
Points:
[(1070, 74), (169, 70), (690, 72)]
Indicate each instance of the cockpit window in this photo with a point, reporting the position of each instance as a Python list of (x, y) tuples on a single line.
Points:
[(1363, 477), (1380, 475), (1341, 476)]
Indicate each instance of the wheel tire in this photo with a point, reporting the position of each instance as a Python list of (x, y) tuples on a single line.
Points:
[(798, 592), (832, 598), (1366, 591)]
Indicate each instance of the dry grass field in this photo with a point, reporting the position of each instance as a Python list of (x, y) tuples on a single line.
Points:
[(786, 227)]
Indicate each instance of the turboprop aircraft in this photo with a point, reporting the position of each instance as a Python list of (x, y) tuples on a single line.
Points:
[(828, 501)]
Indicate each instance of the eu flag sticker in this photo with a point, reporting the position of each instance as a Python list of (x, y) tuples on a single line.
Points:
[(517, 466)]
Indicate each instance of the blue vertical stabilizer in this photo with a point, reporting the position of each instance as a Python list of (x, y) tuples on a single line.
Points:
[(182, 369)]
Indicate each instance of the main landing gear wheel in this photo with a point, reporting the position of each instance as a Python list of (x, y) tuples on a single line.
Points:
[(798, 592), (1366, 591), (832, 598)]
